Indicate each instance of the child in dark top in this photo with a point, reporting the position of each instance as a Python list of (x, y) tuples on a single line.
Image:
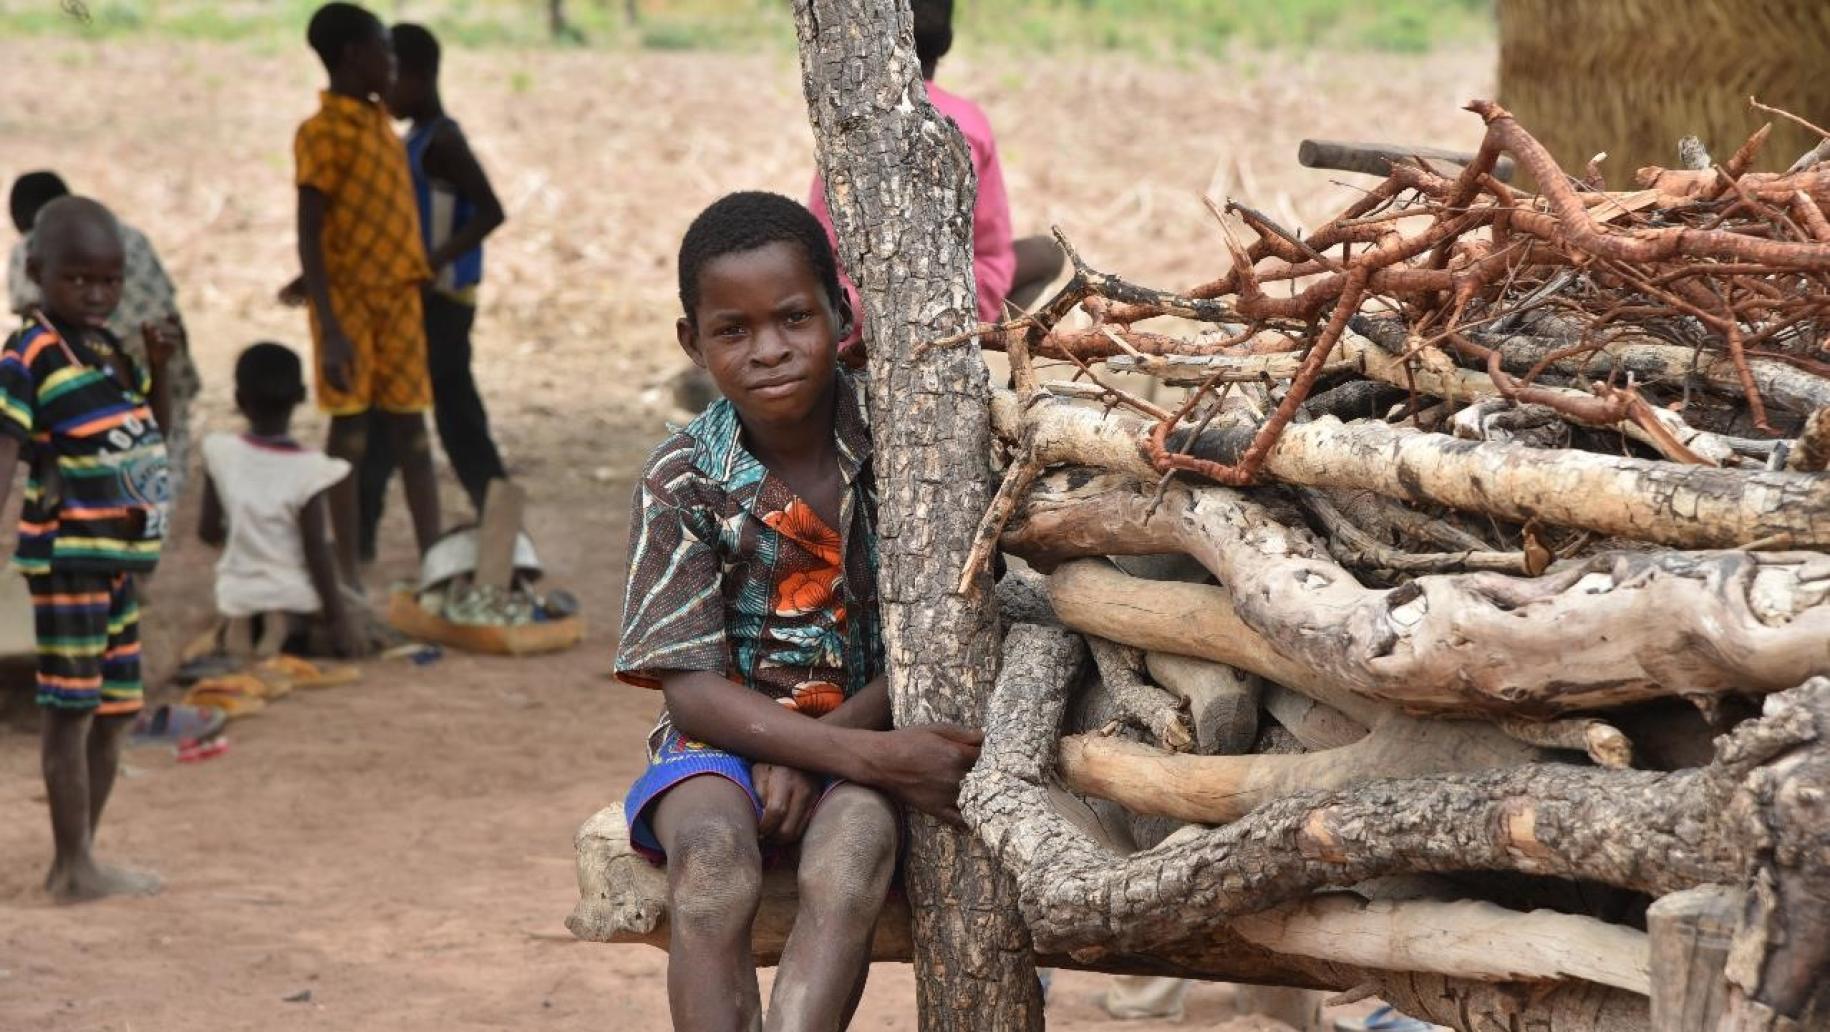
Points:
[(264, 504), (363, 270), (752, 606), (86, 416), (457, 210)]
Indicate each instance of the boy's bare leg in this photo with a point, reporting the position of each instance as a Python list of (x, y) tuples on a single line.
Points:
[(714, 882), (69, 743), (847, 858), (349, 440), (413, 447), (104, 761), (1039, 260)]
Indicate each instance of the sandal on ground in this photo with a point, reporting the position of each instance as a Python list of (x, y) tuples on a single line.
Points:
[(237, 695), (176, 724), (208, 749), (303, 673)]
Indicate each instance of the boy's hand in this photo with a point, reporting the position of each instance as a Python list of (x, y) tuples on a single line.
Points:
[(922, 766), (338, 358), (164, 339), (294, 295), (788, 797)]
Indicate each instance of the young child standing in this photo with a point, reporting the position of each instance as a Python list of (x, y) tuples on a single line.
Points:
[(363, 265), (264, 502), (457, 210), (86, 417), (752, 605)]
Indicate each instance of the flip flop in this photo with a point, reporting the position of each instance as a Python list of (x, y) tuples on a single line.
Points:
[(208, 749), (176, 724), (232, 695), (303, 673)]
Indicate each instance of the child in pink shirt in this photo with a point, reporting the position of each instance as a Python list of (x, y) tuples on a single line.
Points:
[(1006, 269)]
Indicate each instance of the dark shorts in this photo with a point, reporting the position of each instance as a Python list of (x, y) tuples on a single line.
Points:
[(88, 627)]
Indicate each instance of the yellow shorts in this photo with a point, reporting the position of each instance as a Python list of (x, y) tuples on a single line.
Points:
[(388, 330)]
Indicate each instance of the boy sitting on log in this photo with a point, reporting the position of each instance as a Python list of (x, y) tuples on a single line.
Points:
[(752, 605)]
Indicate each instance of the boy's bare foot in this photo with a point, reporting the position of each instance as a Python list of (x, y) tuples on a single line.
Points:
[(88, 880)]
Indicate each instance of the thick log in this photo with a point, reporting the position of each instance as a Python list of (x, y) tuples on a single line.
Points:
[(1690, 933), (622, 898), (1467, 938), (1091, 596), (1659, 502), (1653, 623), (1219, 789), (899, 183), (1222, 700)]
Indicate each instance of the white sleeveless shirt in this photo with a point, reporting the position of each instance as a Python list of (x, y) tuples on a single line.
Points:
[(263, 487)]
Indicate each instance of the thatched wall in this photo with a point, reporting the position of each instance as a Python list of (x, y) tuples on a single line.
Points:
[(1631, 76)]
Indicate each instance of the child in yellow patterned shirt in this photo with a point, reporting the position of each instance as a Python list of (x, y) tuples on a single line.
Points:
[(364, 264)]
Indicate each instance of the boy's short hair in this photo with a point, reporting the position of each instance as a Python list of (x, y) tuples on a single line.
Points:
[(32, 191), (269, 377), (745, 221), (933, 31), (416, 50), (334, 27)]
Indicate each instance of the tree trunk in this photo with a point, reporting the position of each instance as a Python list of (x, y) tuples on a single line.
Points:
[(900, 186)]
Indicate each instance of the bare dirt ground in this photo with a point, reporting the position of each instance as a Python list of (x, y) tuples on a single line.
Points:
[(402, 849)]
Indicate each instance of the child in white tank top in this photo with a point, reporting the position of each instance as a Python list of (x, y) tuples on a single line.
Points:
[(264, 503)]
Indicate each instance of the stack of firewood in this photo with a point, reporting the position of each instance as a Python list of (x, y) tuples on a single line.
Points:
[(1409, 627), (1455, 637)]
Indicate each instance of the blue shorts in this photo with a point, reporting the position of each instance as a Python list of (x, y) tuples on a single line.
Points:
[(673, 758)]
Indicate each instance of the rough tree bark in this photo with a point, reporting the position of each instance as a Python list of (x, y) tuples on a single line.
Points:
[(900, 186)]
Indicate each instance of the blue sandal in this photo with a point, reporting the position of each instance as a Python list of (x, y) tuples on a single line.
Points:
[(176, 724)]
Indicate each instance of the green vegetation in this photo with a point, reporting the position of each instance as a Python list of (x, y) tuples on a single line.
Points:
[(1177, 29)]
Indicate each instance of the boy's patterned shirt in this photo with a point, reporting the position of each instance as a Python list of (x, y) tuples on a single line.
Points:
[(99, 486), (731, 572), (348, 152)]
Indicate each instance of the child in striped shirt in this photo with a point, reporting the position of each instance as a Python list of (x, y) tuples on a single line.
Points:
[(86, 417)]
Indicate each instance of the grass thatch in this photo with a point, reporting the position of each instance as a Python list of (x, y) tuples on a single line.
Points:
[(1630, 77)]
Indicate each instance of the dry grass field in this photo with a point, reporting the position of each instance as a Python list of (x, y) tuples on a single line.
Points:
[(402, 849)]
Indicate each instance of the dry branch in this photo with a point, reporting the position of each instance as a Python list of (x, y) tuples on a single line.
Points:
[(1219, 789), (1151, 708), (1652, 624), (1645, 500)]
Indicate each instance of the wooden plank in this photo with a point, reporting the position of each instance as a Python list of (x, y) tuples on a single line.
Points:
[(1690, 932), (502, 509)]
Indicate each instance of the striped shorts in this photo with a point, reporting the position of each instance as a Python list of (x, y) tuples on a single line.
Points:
[(88, 628)]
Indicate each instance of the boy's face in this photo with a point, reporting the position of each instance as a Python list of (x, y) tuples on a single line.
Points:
[(408, 94), (80, 274), (372, 58), (765, 330)]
